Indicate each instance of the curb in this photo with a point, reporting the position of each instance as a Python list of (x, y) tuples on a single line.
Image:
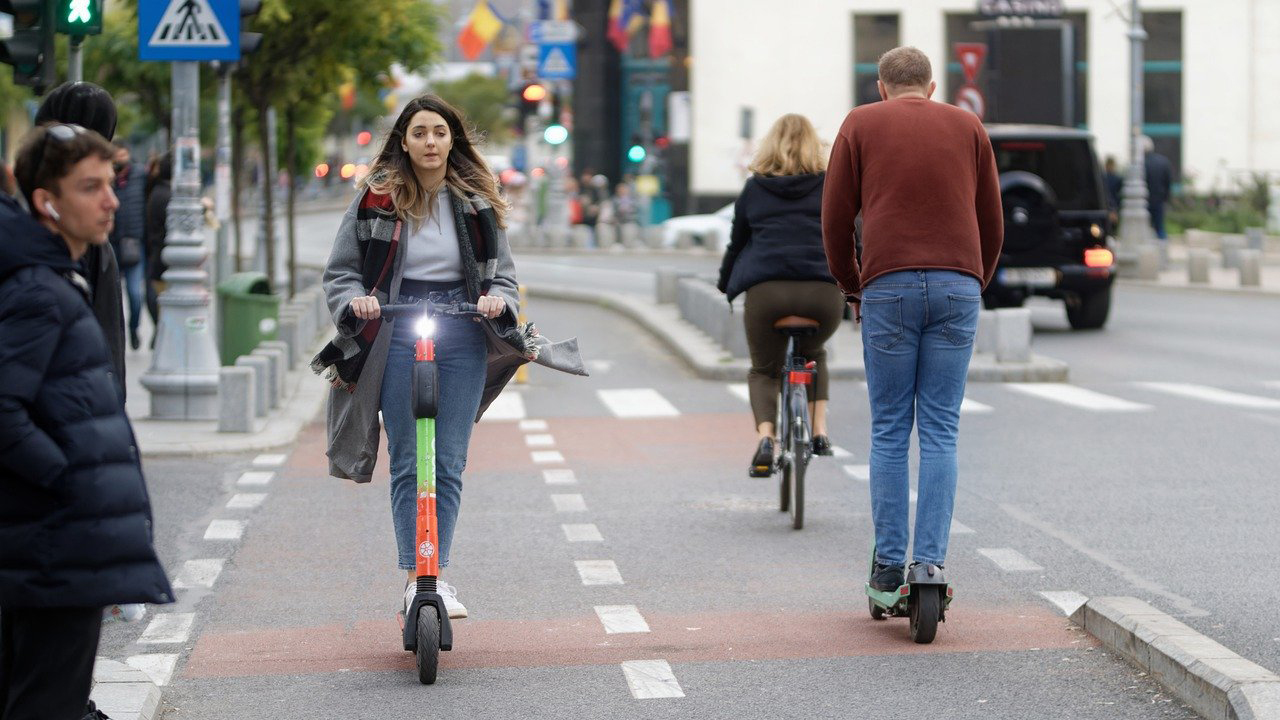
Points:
[(1216, 682), (1209, 289), (709, 361), (123, 692)]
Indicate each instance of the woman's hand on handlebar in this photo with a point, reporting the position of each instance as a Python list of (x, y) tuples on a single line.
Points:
[(491, 306), (366, 307)]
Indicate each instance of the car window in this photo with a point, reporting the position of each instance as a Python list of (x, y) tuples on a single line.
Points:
[(1066, 165)]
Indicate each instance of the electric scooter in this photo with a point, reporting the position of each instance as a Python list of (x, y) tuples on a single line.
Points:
[(425, 625), (924, 597)]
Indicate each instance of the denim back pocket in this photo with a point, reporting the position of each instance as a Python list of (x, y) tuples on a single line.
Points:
[(882, 321), (962, 319)]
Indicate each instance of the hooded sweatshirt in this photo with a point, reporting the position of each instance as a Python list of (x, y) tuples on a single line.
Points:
[(777, 234)]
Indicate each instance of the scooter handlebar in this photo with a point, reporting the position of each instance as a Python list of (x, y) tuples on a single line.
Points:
[(462, 309)]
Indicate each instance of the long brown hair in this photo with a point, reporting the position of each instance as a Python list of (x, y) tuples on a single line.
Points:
[(792, 147), (467, 172)]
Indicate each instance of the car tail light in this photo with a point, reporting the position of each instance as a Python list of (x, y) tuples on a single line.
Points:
[(1098, 257)]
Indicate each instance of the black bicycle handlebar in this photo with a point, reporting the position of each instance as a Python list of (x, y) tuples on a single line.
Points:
[(460, 309)]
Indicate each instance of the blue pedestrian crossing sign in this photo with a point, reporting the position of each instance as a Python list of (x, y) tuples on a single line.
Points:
[(189, 30), (557, 50)]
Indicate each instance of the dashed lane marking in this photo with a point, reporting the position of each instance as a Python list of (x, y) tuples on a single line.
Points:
[(1213, 395), (619, 619), (1009, 560), (256, 477), (1077, 397), (225, 530), (637, 403), (959, 528), (199, 573), (1068, 601), (269, 460), (539, 441), (559, 476), (583, 532), (740, 390), (157, 666), (649, 679), (533, 426), (245, 501), (168, 628), (569, 503), (598, 572), (546, 457), (858, 472), (973, 407), (507, 406), (837, 451)]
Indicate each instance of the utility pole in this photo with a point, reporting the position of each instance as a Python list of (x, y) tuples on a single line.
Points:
[(1135, 221), (75, 60), (222, 174)]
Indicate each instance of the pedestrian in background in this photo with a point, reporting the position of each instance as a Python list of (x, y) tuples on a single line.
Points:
[(1115, 188), (156, 233), (775, 256), (75, 522), (91, 107), (923, 175), (128, 239), (1159, 172)]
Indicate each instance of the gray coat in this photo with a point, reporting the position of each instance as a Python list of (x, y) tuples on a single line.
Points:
[(352, 416)]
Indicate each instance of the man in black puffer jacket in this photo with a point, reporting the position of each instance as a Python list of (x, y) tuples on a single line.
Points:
[(75, 518)]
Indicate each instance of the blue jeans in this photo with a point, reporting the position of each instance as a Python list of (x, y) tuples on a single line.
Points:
[(135, 279), (460, 357), (917, 337)]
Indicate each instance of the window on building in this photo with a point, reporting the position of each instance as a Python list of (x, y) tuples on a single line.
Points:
[(873, 36), (1162, 84)]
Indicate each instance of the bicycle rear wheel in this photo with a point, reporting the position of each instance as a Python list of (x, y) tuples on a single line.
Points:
[(784, 433), (798, 451)]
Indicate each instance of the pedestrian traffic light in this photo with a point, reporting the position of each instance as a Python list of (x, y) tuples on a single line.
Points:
[(30, 50), (531, 97), (78, 17), (556, 134), (249, 41), (636, 153)]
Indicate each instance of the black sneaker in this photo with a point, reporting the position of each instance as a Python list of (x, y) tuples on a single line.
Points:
[(135, 342), (91, 712), (762, 462), (886, 578), (822, 445)]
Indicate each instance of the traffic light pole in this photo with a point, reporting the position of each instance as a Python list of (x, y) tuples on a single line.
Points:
[(75, 61), (1135, 221)]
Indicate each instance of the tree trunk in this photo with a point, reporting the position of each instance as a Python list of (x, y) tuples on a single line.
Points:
[(268, 188), (291, 162), (237, 167)]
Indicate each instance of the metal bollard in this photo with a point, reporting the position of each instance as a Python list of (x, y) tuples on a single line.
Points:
[(1198, 265), (522, 372)]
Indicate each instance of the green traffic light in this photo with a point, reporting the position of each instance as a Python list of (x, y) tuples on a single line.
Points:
[(555, 134), (636, 153), (79, 17)]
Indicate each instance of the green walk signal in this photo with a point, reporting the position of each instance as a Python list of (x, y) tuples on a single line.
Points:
[(555, 134), (78, 17), (636, 153)]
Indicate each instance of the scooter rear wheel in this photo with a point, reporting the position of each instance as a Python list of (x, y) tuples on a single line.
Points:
[(428, 645), (877, 612), (926, 609)]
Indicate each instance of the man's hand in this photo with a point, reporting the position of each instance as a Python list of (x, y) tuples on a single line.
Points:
[(366, 307), (491, 306), (855, 309)]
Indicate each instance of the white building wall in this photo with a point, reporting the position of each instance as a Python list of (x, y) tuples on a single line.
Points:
[(800, 59)]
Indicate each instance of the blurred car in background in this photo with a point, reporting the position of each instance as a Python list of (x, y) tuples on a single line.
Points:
[(709, 231)]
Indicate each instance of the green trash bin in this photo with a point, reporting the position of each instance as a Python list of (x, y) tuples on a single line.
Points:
[(249, 314)]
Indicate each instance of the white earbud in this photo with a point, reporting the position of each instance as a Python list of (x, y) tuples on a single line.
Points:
[(48, 206)]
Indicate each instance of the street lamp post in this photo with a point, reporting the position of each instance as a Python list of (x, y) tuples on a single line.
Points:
[(1135, 221)]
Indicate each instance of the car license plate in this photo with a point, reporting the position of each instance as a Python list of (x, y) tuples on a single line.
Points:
[(1029, 277)]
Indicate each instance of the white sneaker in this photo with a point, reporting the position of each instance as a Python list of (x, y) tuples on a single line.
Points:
[(410, 591), (451, 604)]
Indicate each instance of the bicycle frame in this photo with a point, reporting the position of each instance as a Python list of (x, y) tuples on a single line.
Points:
[(797, 376)]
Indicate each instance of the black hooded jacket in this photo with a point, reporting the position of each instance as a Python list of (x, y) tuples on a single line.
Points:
[(75, 518), (777, 234)]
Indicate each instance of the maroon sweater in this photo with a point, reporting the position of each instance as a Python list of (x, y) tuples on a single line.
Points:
[(923, 175)]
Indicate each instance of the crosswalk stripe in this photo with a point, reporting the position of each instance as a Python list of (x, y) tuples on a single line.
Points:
[(650, 679), (858, 472), (157, 666), (168, 628), (837, 451), (1009, 560), (959, 528), (1273, 384), (968, 406), (1077, 397), (619, 619), (1213, 395), (1068, 601), (199, 573), (507, 406), (224, 530), (598, 572), (740, 390), (637, 403), (256, 477), (245, 501)]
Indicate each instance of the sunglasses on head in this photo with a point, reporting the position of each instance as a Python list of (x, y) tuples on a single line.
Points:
[(62, 132)]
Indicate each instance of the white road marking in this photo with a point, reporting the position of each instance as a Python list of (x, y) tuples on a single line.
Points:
[(598, 572), (539, 441), (649, 679), (157, 666), (168, 628), (507, 406), (959, 528), (599, 367), (837, 451), (619, 619), (1068, 601), (245, 501), (533, 426), (973, 407), (585, 532), (1213, 395), (858, 472), (569, 503), (741, 390), (1009, 560), (1273, 384), (225, 530), (546, 457), (637, 403), (269, 461), (559, 476), (256, 477), (199, 573), (1077, 397)]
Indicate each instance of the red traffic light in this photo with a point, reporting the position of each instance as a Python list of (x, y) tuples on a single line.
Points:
[(662, 142), (364, 138), (534, 93)]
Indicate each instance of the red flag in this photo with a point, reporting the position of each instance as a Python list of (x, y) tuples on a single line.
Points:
[(660, 29)]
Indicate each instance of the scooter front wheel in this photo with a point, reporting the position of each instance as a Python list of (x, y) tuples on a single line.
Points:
[(926, 609), (428, 644)]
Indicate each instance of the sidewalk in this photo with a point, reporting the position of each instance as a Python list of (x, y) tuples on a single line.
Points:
[(1223, 280)]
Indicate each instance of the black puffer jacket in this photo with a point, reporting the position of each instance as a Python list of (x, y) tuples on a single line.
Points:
[(75, 519), (777, 234)]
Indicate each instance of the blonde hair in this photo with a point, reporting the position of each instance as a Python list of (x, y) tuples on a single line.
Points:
[(791, 147), (467, 172), (905, 67)]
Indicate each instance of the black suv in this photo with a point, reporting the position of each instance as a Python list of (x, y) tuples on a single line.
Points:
[(1056, 222)]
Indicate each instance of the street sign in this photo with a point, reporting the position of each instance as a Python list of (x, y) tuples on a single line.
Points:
[(970, 98), (189, 30), (1022, 8), (971, 56), (557, 49)]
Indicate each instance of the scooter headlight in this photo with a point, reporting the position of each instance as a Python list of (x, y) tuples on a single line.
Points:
[(426, 327)]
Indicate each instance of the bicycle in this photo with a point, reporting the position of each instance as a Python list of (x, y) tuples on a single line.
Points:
[(793, 425), (425, 625)]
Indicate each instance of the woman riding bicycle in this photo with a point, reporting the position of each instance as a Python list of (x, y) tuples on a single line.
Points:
[(776, 256), (427, 225)]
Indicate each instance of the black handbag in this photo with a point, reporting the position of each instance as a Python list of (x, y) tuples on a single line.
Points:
[(130, 252)]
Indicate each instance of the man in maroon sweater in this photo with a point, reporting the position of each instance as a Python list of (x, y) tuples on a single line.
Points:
[(923, 176)]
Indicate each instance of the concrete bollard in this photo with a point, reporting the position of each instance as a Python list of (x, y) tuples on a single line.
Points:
[(1198, 260), (685, 239), (1149, 258), (606, 235), (261, 368), (281, 369), (630, 236), (581, 236), (652, 236), (288, 333), (1250, 266), (985, 340), (665, 281), (1231, 247), (736, 334), (275, 373), (684, 297), (1256, 237), (1013, 335), (235, 399)]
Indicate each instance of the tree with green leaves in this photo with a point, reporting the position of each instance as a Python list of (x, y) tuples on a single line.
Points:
[(483, 100)]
